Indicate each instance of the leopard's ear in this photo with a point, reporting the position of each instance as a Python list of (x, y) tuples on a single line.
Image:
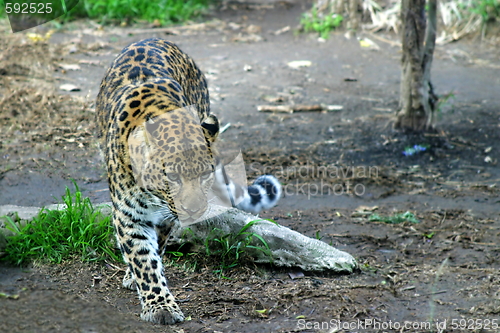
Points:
[(210, 127)]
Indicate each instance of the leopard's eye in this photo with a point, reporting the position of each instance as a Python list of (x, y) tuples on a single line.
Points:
[(206, 175), (172, 177)]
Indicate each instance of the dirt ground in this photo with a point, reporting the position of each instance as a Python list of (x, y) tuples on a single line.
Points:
[(337, 168)]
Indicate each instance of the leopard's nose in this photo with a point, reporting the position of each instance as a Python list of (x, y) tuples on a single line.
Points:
[(194, 211), (191, 210)]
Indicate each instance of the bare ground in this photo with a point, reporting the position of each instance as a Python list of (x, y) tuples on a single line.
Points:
[(337, 167)]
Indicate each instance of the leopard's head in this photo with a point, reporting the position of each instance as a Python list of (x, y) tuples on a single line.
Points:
[(173, 160)]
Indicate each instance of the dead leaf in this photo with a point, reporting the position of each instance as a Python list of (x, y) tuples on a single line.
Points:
[(38, 37), (282, 30), (234, 26), (382, 109), (70, 67), (368, 43), (299, 64), (334, 107), (364, 210), (274, 99), (252, 38), (253, 29), (69, 87), (90, 62)]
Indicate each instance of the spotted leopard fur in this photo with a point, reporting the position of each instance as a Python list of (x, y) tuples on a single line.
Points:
[(161, 162)]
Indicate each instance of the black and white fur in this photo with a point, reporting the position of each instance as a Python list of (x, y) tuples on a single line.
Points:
[(264, 193)]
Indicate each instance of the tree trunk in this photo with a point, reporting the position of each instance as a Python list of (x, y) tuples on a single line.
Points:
[(353, 22), (417, 99), (347, 8)]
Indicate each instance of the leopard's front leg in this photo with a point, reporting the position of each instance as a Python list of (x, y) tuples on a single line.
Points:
[(139, 245)]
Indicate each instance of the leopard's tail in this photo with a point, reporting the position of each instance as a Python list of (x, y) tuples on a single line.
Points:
[(264, 193)]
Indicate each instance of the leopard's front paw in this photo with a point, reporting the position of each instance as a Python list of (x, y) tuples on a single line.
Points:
[(163, 314), (129, 280)]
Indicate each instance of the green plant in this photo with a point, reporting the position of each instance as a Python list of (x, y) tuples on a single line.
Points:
[(57, 235), (394, 219), (429, 235), (162, 11), (187, 261), (231, 249), (443, 101), (368, 268), (181, 257), (487, 9), (323, 24)]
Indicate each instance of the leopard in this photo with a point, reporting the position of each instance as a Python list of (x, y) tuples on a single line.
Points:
[(157, 133)]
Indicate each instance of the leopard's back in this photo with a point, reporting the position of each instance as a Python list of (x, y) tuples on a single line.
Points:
[(151, 60)]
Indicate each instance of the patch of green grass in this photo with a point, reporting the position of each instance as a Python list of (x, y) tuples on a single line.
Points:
[(182, 257), (227, 250), (489, 10), (443, 101), (395, 218), (429, 235), (368, 268), (443, 104), (231, 249), (187, 261), (53, 236), (162, 11), (322, 24), (117, 11)]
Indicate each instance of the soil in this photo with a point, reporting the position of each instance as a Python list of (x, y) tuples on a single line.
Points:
[(338, 168)]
